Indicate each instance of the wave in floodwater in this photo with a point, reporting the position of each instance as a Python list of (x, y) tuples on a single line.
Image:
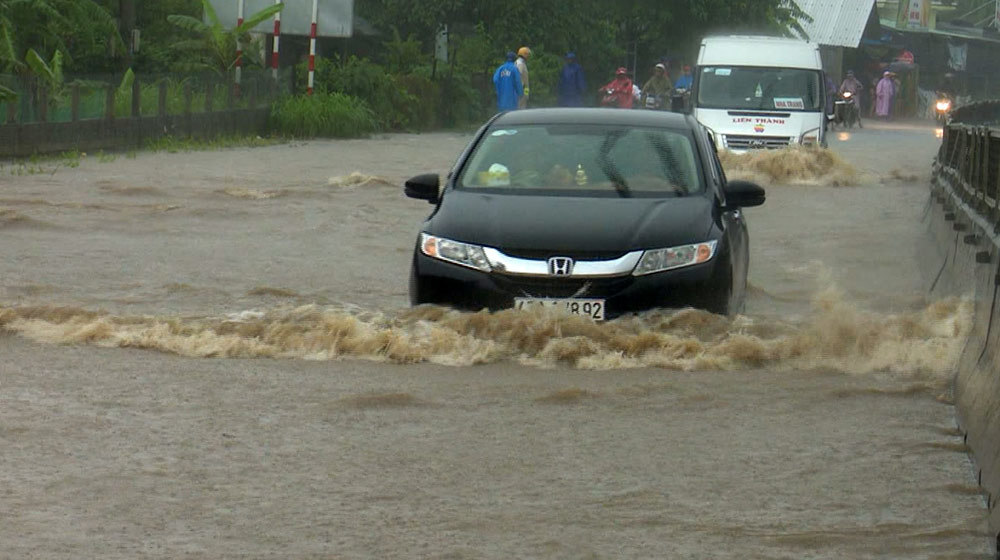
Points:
[(252, 194), (10, 218), (129, 190), (357, 179), (834, 336), (793, 165)]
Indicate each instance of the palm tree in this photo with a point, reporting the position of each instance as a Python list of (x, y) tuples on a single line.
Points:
[(44, 26), (215, 47)]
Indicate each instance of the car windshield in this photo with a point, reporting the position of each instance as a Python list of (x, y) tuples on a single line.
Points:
[(584, 160), (742, 87)]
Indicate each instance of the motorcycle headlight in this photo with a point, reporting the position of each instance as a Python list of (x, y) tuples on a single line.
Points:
[(943, 105), (848, 95), (660, 260), (456, 252)]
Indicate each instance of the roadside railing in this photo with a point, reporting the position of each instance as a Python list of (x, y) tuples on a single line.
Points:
[(115, 113), (969, 158)]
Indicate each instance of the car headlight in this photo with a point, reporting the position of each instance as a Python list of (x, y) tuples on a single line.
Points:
[(456, 252), (809, 136), (659, 260)]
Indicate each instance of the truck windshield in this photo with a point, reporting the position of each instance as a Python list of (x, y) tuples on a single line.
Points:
[(755, 88)]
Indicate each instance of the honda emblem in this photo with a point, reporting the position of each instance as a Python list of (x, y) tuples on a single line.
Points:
[(561, 266)]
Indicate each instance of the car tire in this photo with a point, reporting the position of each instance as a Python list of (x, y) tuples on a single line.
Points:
[(718, 293), (420, 292)]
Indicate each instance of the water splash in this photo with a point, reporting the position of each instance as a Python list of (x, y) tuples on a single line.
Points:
[(795, 165), (252, 194), (357, 179), (835, 336)]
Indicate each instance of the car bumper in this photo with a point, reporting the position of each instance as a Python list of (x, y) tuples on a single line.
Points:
[(470, 289)]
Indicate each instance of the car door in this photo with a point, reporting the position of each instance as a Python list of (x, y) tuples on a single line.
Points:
[(733, 223)]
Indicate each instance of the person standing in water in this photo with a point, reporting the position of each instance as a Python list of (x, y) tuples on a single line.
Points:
[(523, 54), (507, 81), (885, 91), (571, 83)]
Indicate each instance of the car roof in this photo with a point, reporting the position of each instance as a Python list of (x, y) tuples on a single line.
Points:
[(623, 117)]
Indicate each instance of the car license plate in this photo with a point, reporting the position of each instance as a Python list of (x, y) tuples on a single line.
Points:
[(593, 308)]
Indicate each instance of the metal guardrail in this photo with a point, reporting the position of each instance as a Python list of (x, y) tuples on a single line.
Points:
[(966, 183), (969, 158)]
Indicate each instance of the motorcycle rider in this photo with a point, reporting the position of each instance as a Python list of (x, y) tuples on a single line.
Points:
[(686, 80), (618, 92), (657, 86), (853, 85)]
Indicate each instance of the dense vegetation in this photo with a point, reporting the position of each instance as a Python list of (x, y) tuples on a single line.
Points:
[(389, 81)]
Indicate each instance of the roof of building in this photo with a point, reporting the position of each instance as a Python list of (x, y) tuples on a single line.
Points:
[(837, 23)]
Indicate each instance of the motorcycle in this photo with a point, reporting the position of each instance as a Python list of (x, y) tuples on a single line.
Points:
[(845, 110), (653, 102), (679, 100), (942, 107), (609, 99)]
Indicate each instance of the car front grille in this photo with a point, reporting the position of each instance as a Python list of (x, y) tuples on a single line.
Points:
[(735, 142), (526, 286), (576, 255)]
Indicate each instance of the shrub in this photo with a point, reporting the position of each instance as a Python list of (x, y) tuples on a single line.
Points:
[(465, 104), (328, 115), (425, 112), (361, 78)]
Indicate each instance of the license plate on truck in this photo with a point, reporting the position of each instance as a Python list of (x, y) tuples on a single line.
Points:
[(593, 308)]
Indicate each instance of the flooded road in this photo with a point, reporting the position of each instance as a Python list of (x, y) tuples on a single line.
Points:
[(210, 354)]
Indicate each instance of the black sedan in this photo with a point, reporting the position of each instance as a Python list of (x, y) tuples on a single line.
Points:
[(598, 211)]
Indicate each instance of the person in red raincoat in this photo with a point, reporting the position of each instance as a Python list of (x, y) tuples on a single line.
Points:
[(618, 92)]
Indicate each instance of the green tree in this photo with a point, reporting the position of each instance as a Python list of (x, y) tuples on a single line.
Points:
[(214, 48), (81, 30), (599, 31)]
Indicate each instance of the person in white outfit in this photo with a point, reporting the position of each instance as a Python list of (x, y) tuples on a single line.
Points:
[(523, 54)]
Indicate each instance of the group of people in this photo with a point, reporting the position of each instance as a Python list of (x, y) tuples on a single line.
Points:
[(512, 83), (883, 93)]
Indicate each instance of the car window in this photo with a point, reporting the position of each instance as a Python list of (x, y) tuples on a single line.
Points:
[(585, 160)]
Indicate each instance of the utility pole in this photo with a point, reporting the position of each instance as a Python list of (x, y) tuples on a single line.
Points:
[(126, 19)]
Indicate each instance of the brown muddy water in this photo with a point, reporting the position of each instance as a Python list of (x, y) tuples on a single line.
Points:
[(211, 355)]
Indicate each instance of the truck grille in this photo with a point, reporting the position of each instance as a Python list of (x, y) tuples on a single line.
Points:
[(734, 142)]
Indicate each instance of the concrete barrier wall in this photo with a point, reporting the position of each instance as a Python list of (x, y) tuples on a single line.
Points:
[(963, 257), (23, 140)]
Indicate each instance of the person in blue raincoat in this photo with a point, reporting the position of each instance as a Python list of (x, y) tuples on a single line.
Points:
[(571, 83), (507, 80)]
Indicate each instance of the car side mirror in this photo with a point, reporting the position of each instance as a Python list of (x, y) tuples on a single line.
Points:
[(424, 187), (744, 194)]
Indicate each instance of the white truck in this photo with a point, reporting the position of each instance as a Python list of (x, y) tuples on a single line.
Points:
[(760, 92)]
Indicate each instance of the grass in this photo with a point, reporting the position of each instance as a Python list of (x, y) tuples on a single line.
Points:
[(48, 164), (173, 145), (329, 115)]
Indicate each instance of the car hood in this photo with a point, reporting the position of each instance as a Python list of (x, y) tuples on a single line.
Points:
[(572, 224)]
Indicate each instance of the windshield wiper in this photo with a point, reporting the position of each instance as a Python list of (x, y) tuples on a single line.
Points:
[(609, 169)]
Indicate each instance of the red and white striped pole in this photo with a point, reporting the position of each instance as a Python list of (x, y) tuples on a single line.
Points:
[(277, 37), (239, 47), (312, 46)]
